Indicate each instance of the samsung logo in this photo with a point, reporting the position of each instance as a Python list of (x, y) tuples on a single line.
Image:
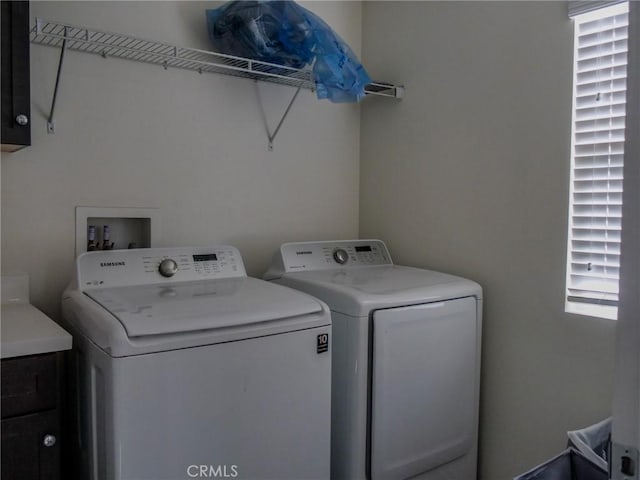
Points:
[(112, 264), (304, 252)]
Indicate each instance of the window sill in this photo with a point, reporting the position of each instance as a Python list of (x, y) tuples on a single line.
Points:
[(598, 311)]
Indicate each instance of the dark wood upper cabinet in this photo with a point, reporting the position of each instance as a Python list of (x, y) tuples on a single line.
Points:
[(15, 86)]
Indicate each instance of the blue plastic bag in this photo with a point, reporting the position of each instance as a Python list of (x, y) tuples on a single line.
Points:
[(284, 33)]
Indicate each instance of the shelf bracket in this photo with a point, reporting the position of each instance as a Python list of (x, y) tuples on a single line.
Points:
[(272, 136), (63, 49)]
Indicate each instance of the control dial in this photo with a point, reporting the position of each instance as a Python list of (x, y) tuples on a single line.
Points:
[(168, 267), (341, 256)]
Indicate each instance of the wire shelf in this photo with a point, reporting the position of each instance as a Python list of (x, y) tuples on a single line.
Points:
[(106, 44)]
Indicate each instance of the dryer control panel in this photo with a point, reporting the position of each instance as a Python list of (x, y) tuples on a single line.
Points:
[(146, 266), (303, 256)]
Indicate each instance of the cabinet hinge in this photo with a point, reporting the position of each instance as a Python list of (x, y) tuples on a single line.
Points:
[(623, 464)]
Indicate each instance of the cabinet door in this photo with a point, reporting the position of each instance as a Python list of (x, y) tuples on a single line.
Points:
[(29, 384), (625, 455), (16, 99), (27, 451)]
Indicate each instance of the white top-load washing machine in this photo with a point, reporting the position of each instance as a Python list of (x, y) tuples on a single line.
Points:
[(184, 368), (406, 360)]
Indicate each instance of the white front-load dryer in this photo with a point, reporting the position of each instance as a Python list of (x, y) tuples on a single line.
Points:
[(406, 360), (183, 367)]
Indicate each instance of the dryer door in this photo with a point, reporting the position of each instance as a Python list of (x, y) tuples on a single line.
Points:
[(424, 386)]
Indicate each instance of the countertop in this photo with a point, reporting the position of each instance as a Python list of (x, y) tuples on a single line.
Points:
[(24, 329)]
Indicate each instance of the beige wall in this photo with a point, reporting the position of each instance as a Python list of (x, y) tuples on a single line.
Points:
[(194, 146), (469, 174)]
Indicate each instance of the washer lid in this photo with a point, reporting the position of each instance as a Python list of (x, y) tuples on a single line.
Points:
[(358, 291), (203, 305)]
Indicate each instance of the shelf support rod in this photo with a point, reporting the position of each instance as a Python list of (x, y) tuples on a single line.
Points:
[(50, 126), (272, 136)]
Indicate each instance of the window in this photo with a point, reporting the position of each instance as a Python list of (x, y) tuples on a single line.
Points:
[(598, 126)]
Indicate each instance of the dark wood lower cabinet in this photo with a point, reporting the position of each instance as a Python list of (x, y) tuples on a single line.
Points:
[(31, 447), (31, 439)]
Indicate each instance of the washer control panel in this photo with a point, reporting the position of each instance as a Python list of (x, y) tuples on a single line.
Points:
[(336, 254), (145, 266)]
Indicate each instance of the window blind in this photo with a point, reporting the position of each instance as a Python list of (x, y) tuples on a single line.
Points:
[(600, 71), (578, 7)]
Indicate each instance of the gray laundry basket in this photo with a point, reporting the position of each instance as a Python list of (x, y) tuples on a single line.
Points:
[(593, 442), (569, 465)]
